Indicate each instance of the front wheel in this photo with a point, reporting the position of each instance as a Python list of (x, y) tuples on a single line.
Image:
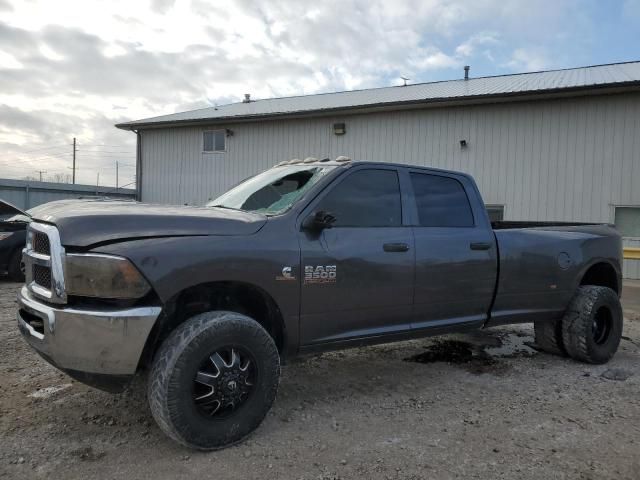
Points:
[(213, 380), (592, 325)]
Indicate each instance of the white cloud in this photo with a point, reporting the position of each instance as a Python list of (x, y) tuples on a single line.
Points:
[(8, 61), (426, 59), (473, 43), (76, 68), (528, 59)]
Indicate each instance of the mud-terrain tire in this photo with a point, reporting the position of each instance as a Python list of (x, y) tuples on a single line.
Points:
[(548, 337), (14, 269), (592, 325), (203, 347)]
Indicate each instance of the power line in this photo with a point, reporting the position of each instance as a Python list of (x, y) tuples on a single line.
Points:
[(47, 156), (106, 155), (43, 148), (26, 164), (102, 145), (95, 152), (28, 168), (103, 149)]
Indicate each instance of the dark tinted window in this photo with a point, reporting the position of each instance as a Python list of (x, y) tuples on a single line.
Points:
[(366, 198), (442, 201)]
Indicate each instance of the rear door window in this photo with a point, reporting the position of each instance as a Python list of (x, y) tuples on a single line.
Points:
[(441, 201)]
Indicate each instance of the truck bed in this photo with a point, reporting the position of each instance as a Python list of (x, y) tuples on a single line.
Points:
[(540, 265)]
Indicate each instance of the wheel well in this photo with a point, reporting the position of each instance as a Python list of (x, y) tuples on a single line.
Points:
[(603, 275), (233, 296)]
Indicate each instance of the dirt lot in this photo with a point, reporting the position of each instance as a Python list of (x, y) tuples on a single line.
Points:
[(496, 409)]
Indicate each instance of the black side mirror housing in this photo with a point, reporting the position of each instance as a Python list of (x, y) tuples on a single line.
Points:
[(318, 221)]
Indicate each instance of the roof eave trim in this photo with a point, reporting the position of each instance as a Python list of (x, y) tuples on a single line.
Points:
[(367, 108)]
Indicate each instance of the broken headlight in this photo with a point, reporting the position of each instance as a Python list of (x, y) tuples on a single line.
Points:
[(103, 276)]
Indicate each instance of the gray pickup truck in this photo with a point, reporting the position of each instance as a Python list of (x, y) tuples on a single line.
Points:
[(307, 256)]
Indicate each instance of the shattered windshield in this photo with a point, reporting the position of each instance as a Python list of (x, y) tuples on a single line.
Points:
[(274, 191)]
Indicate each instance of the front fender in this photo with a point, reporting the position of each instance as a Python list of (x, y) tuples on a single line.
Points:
[(174, 264)]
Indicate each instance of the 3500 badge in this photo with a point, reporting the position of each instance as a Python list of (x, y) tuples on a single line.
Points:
[(320, 274)]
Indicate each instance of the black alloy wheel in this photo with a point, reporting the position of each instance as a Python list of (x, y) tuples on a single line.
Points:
[(224, 382)]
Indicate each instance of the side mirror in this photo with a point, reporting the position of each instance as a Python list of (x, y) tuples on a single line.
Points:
[(318, 221)]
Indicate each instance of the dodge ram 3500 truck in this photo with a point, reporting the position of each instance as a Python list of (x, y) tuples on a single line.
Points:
[(307, 256)]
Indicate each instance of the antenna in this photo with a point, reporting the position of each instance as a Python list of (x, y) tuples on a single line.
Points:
[(405, 80)]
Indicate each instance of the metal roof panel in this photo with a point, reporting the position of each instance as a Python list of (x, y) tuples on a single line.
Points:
[(535, 82)]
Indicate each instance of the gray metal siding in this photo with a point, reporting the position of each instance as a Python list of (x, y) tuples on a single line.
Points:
[(27, 194), (564, 159)]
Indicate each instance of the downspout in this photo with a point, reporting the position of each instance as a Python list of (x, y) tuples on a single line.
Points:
[(138, 165)]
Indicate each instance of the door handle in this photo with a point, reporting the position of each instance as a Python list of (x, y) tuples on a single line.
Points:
[(480, 245), (395, 247)]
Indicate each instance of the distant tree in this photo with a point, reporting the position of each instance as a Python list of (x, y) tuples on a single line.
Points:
[(60, 178)]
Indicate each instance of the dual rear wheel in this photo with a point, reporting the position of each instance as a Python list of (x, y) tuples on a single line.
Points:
[(590, 330)]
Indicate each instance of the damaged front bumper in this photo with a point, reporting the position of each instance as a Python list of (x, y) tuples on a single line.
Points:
[(99, 348)]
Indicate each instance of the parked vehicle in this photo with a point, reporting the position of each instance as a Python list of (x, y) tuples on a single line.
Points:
[(305, 257), (13, 232)]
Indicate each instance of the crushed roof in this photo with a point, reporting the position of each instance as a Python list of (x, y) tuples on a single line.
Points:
[(618, 74)]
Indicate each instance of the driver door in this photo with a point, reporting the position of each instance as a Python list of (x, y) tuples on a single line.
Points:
[(358, 275)]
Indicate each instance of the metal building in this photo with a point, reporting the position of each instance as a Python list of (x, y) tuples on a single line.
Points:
[(554, 145), (25, 194)]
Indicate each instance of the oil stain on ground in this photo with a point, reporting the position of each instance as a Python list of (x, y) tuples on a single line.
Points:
[(473, 357)]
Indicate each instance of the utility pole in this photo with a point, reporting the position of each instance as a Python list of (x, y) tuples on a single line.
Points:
[(41, 172), (98, 180), (74, 161), (116, 175)]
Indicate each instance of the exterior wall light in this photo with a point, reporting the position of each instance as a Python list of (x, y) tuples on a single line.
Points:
[(463, 144)]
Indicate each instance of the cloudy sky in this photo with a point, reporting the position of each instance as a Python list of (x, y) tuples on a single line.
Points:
[(74, 68)]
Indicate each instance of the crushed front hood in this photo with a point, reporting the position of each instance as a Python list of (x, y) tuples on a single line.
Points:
[(86, 222)]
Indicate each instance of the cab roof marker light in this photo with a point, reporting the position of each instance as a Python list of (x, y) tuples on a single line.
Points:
[(342, 158), (310, 160)]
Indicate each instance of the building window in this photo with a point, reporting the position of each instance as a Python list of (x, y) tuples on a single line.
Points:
[(214, 141), (496, 212), (628, 221)]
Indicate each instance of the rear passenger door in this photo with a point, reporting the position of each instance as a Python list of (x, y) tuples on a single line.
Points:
[(456, 257)]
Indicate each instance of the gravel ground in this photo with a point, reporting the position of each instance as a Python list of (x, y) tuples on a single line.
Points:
[(495, 408)]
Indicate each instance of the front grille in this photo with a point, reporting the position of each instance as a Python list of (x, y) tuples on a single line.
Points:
[(41, 243), (43, 257), (42, 276)]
